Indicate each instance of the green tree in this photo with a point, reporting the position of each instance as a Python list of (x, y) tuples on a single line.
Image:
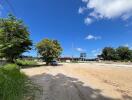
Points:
[(14, 38), (49, 49), (124, 53), (109, 53), (131, 56)]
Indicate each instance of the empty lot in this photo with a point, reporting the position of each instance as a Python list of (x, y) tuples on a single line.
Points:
[(83, 81)]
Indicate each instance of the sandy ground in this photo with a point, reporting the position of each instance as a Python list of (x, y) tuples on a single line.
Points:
[(91, 81)]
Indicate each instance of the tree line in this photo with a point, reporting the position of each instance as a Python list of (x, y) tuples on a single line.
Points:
[(15, 40), (121, 53)]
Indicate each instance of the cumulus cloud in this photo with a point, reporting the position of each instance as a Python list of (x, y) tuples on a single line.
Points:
[(80, 49), (92, 37), (108, 9)]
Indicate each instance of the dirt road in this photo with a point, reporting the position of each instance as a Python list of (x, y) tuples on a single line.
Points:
[(92, 81)]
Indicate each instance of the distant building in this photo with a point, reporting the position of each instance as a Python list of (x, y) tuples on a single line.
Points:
[(68, 59), (83, 56)]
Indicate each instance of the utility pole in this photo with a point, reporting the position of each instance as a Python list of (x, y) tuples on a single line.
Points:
[(72, 51)]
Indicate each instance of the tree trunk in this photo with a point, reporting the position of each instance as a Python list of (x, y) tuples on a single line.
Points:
[(47, 63), (10, 60)]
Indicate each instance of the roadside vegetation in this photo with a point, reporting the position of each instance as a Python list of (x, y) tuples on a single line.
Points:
[(117, 54), (14, 38), (25, 63), (14, 41), (15, 85)]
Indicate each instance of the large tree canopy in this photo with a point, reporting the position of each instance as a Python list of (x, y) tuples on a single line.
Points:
[(49, 49), (109, 53), (123, 53), (14, 38), (120, 53)]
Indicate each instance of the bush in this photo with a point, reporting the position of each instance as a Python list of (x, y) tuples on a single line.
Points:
[(14, 85), (25, 63), (126, 60)]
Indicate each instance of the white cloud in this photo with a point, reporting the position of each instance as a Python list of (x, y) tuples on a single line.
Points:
[(84, 0), (91, 37), (88, 21), (80, 49), (126, 45), (81, 10), (96, 52), (109, 9)]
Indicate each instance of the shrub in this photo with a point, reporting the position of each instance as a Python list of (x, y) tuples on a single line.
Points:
[(14, 85), (126, 60), (25, 63)]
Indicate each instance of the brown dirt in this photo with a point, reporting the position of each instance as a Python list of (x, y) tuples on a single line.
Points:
[(91, 81)]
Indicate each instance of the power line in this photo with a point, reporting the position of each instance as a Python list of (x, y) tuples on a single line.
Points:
[(11, 6)]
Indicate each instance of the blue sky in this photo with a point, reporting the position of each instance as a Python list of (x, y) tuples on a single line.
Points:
[(88, 25)]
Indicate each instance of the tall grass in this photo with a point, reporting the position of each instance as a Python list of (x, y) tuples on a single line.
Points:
[(15, 85), (25, 63)]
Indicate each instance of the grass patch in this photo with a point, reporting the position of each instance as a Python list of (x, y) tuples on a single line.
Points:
[(15, 85), (25, 63)]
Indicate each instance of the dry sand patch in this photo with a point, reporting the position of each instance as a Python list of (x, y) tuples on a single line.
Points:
[(91, 81)]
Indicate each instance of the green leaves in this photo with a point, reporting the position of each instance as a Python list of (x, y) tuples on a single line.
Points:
[(124, 53), (49, 49), (14, 37), (120, 53), (108, 53)]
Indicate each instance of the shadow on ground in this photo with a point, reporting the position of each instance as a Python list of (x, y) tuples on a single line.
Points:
[(61, 87), (39, 65)]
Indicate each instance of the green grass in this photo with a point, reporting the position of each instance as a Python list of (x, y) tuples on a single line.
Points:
[(25, 63), (15, 85)]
